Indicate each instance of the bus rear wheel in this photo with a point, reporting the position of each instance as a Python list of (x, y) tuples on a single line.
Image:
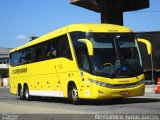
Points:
[(73, 95), (21, 93), (26, 93)]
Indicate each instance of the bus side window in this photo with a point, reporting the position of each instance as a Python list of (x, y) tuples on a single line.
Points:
[(32, 54), (85, 62), (20, 58), (14, 59), (84, 57), (39, 55), (11, 61), (53, 51), (46, 52), (53, 48), (49, 50), (64, 48)]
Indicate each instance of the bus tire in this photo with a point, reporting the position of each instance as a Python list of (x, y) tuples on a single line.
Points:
[(21, 93), (26, 93), (73, 95)]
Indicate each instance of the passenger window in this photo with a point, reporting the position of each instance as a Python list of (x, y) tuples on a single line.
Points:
[(83, 54), (46, 50), (85, 62), (33, 54), (50, 50), (64, 48), (24, 57), (53, 49), (39, 53)]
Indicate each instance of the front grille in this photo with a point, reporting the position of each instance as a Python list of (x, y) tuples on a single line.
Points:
[(117, 86)]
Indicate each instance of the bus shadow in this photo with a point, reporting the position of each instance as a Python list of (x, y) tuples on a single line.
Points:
[(96, 102), (124, 101), (49, 100)]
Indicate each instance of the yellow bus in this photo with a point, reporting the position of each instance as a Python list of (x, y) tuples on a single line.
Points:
[(80, 61)]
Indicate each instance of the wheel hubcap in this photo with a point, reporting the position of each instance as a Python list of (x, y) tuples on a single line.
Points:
[(26, 94), (21, 92), (74, 94)]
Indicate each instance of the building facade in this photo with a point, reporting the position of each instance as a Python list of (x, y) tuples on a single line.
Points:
[(4, 61), (4, 55)]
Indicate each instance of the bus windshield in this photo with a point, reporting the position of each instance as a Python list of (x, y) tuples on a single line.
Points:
[(115, 55)]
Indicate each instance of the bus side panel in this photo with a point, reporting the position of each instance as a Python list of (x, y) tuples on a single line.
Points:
[(38, 76), (66, 71)]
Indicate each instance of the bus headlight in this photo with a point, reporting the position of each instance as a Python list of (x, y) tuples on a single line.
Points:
[(116, 86), (103, 84)]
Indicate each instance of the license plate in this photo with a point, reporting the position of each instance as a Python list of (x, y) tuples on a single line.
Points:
[(124, 92)]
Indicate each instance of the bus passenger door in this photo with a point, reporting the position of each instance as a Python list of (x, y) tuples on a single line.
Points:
[(86, 84), (57, 84), (65, 72)]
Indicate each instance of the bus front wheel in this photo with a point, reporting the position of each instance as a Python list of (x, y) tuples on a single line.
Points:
[(73, 95)]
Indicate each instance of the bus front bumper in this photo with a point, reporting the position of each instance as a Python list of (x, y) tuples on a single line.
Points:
[(100, 92)]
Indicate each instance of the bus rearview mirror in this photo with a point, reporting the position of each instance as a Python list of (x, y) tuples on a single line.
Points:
[(147, 43), (88, 44)]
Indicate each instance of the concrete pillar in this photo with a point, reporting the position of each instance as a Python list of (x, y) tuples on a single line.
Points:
[(112, 17), (112, 10)]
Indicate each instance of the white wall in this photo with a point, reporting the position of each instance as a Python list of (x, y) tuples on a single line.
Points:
[(3, 65)]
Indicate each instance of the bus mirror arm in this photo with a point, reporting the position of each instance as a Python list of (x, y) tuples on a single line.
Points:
[(147, 43), (88, 44)]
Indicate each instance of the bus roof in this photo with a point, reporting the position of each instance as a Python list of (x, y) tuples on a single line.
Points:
[(76, 27), (98, 28)]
